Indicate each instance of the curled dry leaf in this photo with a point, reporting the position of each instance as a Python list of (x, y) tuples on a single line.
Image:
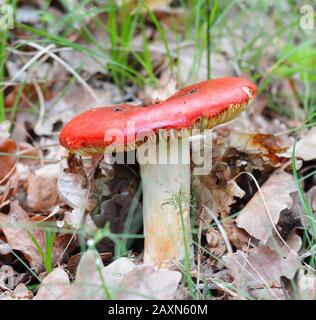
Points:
[(15, 228), (72, 189), (42, 191), (225, 196), (257, 143), (261, 268), (215, 242), (254, 217), (74, 218)]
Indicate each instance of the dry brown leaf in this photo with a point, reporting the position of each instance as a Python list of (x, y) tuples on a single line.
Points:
[(306, 147), (8, 148), (215, 242), (42, 190), (14, 226), (72, 189), (294, 242), (18, 227), (56, 286), (254, 217), (123, 279), (144, 282), (226, 196), (261, 268)]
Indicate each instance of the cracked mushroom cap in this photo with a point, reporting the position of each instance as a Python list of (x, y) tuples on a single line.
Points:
[(203, 105)]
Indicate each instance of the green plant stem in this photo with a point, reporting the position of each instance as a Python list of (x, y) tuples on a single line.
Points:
[(186, 252)]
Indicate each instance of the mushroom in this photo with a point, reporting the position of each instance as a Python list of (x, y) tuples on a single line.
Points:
[(168, 123)]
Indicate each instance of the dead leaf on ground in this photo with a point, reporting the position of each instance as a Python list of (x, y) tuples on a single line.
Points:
[(262, 268), (18, 228), (254, 217), (72, 189), (55, 286), (215, 242), (8, 149), (42, 190), (144, 282), (121, 279), (14, 226), (306, 147)]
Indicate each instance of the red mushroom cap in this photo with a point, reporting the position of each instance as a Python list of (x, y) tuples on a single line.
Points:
[(207, 103)]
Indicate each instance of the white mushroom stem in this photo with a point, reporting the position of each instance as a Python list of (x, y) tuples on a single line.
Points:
[(166, 236)]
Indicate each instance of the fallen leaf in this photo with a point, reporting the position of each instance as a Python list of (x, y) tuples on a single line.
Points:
[(72, 189), (121, 279), (56, 286), (74, 218), (306, 147), (254, 217), (14, 226), (18, 228), (261, 268), (42, 191), (215, 242), (144, 282), (8, 149)]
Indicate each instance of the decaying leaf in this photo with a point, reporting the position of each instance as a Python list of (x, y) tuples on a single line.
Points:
[(262, 268), (15, 227), (56, 286), (74, 218), (144, 282), (72, 189), (255, 218), (306, 147), (42, 190), (215, 242), (8, 148), (121, 279), (19, 229)]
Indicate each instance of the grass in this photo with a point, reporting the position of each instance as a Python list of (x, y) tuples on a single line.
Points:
[(47, 255), (3, 45)]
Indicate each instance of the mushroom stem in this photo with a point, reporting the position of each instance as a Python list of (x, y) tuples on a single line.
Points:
[(166, 240)]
